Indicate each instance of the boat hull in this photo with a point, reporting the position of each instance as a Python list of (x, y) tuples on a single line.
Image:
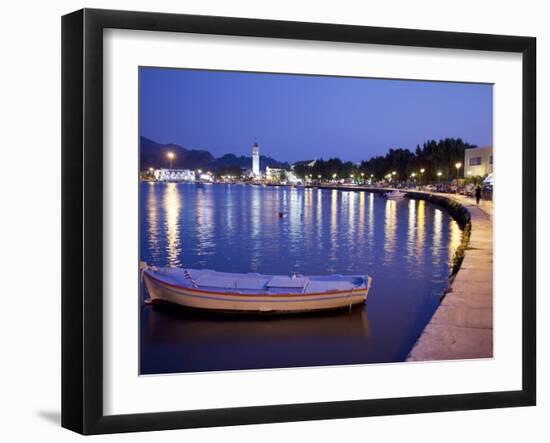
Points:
[(253, 303)]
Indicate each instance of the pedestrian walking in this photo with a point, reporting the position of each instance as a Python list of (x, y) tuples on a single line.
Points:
[(478, 194)]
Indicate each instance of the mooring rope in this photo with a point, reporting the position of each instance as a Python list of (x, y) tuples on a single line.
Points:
[(189, 277)]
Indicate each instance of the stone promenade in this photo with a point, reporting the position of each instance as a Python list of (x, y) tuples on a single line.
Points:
[(462, 326)]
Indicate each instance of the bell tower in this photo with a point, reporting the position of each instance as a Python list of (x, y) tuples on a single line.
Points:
[(255, 159)]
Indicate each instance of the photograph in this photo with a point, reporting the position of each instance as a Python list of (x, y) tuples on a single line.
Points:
[(294, 220)]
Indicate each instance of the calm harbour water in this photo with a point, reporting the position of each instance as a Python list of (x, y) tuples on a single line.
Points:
[(406, 246)]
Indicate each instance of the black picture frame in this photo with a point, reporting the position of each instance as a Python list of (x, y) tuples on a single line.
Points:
[(82, 218)]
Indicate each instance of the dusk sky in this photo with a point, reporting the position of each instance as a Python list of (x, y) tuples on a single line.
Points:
[(295, 117)]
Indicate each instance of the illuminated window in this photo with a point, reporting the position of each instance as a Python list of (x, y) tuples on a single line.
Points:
[(475, 161)]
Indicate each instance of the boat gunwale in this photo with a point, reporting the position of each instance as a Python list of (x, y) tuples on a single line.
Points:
[(299, 295)]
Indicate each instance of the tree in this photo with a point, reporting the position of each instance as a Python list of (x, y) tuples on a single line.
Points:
[(301, 170), (231, 170)]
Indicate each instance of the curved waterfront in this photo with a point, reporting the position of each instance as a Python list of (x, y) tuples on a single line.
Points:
[(406, 246)]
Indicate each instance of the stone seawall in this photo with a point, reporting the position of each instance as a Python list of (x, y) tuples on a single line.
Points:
[(462, 326)]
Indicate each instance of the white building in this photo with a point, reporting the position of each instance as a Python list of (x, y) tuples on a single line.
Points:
[(292, 179), (167, 175), (275, 174), (255, 159), (478, 161)]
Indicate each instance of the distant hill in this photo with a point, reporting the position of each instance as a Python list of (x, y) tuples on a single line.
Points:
[(154, 155), (245, 162)]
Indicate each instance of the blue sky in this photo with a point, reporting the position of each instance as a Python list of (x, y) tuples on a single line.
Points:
[(296, 117)]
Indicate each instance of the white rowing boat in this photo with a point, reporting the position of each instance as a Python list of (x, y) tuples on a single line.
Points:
[(395, 195), (223, 291)]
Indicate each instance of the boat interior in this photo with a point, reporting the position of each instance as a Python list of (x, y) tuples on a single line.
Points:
[(257, 283)]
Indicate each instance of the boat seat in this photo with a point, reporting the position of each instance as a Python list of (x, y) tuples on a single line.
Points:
[(287, 282), (216, 281)]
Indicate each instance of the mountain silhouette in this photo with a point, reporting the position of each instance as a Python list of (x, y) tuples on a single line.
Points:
[(155, 155)]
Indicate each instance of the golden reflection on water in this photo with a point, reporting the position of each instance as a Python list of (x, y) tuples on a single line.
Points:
[(307, 227), (411, 230), (438, 228), (308, 219), (152, 219), (230, 213), (390, 227), (308, 203), (351, 211), (361, 226), (255, 210), (295, 219), (421, 227), (455, 238), (319, 213), (333, 225), (172, 207), (255, 220), (370, 232)]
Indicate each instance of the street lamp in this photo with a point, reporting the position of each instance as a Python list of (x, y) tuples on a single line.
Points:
[(439, 176), (422, 176), (170, 156), (334, 176), (457, 166)]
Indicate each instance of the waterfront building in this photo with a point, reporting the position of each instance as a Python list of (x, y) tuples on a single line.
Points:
[(291, 178), (163, 175), (255, 160), (478, 161), (275, 174)]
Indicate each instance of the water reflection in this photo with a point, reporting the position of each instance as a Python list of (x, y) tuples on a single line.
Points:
[(172, 204), (205, 226), (361, 227), (255, 219), (371, 219), (390, 224), (406, 246), (438, 228), (420, 224), (298, 338), (411, 231), (230, 213), (152, 219), (455, 238), (352, 196), (333, 239)]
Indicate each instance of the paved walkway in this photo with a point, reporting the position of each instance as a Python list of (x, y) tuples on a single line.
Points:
[(462, 326)]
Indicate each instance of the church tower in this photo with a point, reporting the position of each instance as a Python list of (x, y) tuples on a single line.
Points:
[(256, 159)]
